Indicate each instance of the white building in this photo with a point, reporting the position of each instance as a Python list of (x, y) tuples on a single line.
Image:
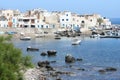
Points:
[(65, 19), (3, 21)]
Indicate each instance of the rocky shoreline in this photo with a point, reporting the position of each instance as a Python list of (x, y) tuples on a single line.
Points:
[(45, 70)]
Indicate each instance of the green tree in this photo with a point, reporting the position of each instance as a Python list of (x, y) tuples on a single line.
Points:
[(100, 21), (11, 60)]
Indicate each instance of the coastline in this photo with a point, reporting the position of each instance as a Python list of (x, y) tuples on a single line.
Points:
[(32, 32), (38, 73)]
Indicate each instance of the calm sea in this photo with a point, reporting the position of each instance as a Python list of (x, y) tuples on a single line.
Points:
[(96, 54), (115, 20)]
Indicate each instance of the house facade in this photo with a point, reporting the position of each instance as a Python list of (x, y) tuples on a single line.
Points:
[(39, 18)]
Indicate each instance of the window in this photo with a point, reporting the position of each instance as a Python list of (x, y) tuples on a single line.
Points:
[(63, 24), (41, 26), (67, 19), (82, 21), (32, 26), (62, 19), (46, 26), (25, 26), (13, 20), (32, 21), (7, 14), (53, 26), (66, 14)]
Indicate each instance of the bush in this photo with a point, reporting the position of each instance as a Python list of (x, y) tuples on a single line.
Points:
[(11, 60)]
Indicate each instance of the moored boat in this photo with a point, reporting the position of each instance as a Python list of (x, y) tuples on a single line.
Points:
[(25, 38), (76, 42), (57, 37), (29, 48)]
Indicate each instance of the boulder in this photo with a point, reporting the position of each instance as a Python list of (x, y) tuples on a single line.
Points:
[(51, 52), (110, 69), (43, 54), (49, 68), (69, 58), (43, 63), (102, 71)]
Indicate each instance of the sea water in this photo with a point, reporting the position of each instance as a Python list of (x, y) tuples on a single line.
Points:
[(96, 54)]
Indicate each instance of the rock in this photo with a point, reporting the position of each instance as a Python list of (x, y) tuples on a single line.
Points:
[(51, 52), (111, 69), (108, 69), (33, 74), (49, 68), (43, 54), (58, 79), (43, 63), (102, 71), (52, 61), (69, 58), (59, 72), (42, 78), (79, 59), (81, 69), (53, 74)]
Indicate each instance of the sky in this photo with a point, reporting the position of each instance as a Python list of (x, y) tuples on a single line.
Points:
[(106, 8)]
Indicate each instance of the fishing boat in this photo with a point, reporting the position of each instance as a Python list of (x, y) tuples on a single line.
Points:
[(76, 42)]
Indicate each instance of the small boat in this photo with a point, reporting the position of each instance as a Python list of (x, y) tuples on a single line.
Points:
[(25, 38), (95, 36), (29, 48), (39, 35), (57, 37), (76, 42)]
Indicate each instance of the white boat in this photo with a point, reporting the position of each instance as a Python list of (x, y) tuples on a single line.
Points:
[(95, 36), (25, 38), (39, 35), (76, 42)]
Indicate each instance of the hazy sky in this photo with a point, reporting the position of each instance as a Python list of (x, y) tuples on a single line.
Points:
[(107, 8)]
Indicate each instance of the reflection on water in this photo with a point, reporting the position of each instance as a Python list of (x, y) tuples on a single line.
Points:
[(96, 54)]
